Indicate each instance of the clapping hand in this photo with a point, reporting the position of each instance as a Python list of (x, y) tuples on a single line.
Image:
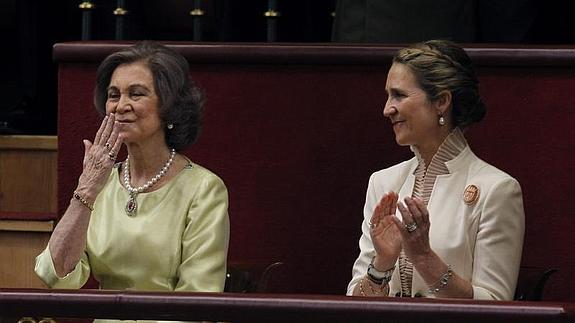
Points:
[(414, 229), (384, 233)]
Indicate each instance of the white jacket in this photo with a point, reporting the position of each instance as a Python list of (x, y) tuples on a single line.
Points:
[(482, 242)]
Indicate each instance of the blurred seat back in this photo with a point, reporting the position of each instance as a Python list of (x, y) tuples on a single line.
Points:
[(250, 277), (531, 283)]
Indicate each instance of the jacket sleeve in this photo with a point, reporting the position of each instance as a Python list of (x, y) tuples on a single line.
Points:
[(205, 239), (366, 250), (75, 279), (499, 242)]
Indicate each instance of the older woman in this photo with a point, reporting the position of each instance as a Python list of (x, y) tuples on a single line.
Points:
[(155, 221), (444, 223)]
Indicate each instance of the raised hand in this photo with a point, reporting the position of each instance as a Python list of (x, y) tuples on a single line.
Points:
[(99, 158), (414, 229), (384, 233)]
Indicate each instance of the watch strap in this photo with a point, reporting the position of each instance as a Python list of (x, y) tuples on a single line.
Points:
[(379, 277)]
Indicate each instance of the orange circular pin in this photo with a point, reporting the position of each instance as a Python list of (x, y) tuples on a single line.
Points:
[(471, 194)]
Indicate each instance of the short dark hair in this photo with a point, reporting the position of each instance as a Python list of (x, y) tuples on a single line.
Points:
[(180, 100), (442, 65)]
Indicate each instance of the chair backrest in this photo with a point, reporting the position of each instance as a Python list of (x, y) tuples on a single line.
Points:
[(531, 283), (250, 277)]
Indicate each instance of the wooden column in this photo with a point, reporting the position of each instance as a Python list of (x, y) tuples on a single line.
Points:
[(28, 167)]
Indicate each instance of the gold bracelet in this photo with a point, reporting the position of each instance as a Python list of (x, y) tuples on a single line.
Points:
[(361, 291), (380, 292), (373, 291), (82, 200)]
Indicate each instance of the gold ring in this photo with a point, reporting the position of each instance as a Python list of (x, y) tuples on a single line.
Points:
[(108, 146), (112, 156)]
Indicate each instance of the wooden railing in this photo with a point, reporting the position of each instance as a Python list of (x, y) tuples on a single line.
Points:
[(269, 307)]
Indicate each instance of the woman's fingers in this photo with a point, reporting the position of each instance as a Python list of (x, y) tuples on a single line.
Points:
[(106, 128), (105, 138), (415, 219), (406, 215), (400, 226), (385, 208), (414, 211), (390, 203), (114, 142), (375, 217), (378, 212), (423, 209), (98, 136), (393, 205), (414, 227), (382, 205), (87, 146), (418, 210), (100, 156)]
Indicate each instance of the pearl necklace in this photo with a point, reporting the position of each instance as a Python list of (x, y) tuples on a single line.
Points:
[(132, 204)]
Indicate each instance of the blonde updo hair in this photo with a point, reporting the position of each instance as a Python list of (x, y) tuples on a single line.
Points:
[(441, 65)]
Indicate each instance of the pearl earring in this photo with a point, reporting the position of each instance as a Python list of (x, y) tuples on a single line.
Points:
[(441, 121), (170, 126)]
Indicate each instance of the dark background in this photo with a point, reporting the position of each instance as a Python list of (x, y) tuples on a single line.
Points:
[(29, 28)]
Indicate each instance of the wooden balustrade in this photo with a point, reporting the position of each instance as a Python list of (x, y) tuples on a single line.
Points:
[(232, 307)]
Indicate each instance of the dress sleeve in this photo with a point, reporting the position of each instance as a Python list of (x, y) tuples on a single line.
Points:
[(75, 279), (205, 239), (499, 244), (366, 250)]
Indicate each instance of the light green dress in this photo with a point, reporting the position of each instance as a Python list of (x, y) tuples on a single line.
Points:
[(177, 241)]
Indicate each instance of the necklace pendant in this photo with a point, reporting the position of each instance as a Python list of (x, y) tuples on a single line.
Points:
[(132, 205)]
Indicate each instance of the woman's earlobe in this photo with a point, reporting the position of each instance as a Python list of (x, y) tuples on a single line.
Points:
[(443, 103)]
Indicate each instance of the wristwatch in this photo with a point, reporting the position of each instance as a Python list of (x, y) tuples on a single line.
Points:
[(379, 277)]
